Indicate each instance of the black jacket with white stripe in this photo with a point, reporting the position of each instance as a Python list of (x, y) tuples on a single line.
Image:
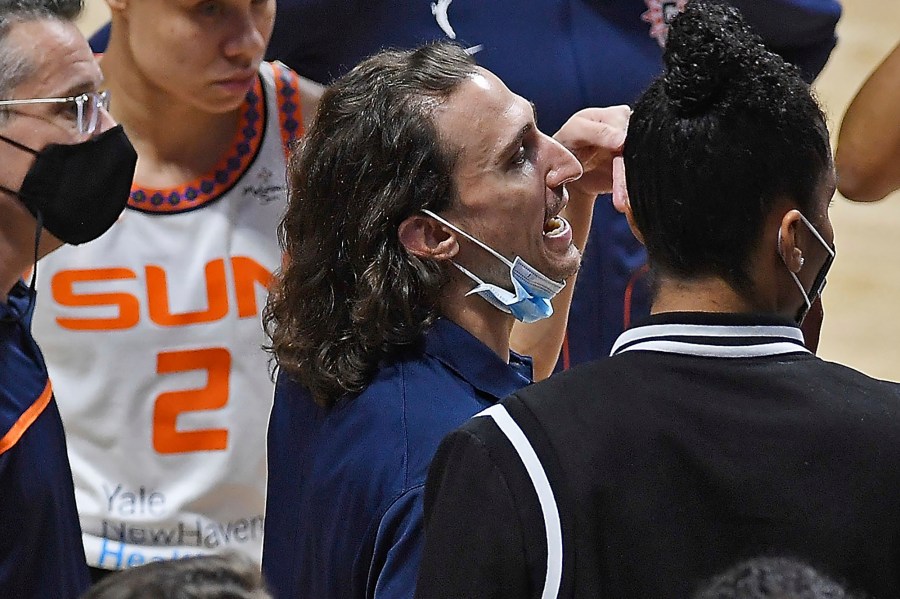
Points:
[(705, 439)]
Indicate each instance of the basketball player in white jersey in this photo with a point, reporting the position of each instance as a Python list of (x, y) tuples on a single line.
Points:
[(152, 334)]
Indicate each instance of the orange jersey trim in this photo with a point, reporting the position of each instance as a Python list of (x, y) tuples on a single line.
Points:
[(224, 175), (290, 112), (27, 418)]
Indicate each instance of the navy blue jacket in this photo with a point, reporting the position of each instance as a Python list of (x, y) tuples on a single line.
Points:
[(344, 503), (40, 547)]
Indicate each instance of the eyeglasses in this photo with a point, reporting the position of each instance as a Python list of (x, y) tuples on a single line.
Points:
[(87, 107)]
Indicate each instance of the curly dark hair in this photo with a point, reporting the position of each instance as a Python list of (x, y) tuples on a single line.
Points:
[(227, 576), (349, 295), (773, 578), (727, 131)]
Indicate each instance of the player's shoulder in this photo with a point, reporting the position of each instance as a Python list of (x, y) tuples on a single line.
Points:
[(275, 70), (283, 87)]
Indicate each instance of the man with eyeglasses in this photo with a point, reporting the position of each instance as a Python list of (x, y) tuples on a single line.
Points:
[(85, 107), (65, 173)]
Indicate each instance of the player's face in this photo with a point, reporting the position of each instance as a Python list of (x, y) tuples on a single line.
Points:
[(204, 53), (63, 66), (509, 177)]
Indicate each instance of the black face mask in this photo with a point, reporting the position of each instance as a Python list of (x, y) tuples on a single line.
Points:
[(78, 190)]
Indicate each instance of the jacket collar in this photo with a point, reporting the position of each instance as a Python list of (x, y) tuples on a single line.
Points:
[(461, 352), (20, 298), (713, 335)]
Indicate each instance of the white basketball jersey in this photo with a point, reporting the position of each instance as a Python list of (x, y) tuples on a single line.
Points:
[(152, 336)]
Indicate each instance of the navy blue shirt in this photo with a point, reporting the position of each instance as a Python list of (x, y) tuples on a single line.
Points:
[(344, 504), (41, 554), (563, 55)]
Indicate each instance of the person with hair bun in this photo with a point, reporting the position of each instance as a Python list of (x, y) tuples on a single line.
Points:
[(711, 434)]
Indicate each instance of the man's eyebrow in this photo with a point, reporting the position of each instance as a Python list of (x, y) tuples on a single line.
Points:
[(76, 89)]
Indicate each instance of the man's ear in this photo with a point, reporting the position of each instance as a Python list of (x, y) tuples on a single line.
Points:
[(424, 237), (787, 236)]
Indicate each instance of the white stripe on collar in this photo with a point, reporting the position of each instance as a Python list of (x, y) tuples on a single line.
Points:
[(784, 339)]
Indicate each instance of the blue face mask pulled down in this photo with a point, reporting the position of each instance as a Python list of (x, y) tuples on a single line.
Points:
[(530, 300)]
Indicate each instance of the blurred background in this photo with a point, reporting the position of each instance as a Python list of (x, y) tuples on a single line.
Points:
[(862, 300)]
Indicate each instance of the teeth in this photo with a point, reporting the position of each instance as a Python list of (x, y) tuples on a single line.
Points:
[(555, 226)]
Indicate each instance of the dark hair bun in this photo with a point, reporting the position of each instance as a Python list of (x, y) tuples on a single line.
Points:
[(710, 54)]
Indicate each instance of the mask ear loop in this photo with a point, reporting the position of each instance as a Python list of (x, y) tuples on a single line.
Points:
[(475, 278), (33, 284), (793, 274), (32, 291), (818, 235), (479, 243), (18, 145)]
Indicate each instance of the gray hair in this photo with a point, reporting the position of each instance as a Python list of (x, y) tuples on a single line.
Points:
[(14, 67)]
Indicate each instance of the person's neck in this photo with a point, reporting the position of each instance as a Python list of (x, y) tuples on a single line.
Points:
[(176, 142), (8, 277), (703, 295), (14, 262), (482, 320)]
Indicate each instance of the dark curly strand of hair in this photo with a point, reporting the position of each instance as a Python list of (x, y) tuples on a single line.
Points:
[(773, 578), (227, 576), (727, 131), (349, 294)]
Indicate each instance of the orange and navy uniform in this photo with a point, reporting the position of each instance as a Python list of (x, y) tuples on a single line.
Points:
[(40, 545), (154, 341)]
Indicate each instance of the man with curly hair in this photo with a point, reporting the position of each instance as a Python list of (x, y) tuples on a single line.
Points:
[(427, 215)]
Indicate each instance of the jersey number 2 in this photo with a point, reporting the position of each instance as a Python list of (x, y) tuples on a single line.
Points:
[(216, 361)]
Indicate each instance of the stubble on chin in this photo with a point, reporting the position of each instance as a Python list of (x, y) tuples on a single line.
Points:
[(570, 268)]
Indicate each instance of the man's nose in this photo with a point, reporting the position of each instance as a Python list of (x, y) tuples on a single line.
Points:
[(564, 167)]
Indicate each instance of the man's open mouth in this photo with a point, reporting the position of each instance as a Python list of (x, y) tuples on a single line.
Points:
[(555, 226)]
